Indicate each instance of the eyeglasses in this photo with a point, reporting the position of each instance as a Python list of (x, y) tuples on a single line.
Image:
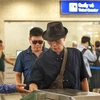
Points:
[(37, 41)]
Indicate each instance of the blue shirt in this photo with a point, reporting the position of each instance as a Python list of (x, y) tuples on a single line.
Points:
[(24, 62), (47, 67), (88, 56), (4, 88)]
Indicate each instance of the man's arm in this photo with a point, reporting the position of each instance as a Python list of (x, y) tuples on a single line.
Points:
[(0, 53), (9, 61), (33, 87), (19, 88), (18, 77), (1, 50), (4, 88), (91, 56), (84, 85)]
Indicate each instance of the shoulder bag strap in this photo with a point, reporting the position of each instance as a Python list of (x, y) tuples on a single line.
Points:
[(58, 83), (64, 61)]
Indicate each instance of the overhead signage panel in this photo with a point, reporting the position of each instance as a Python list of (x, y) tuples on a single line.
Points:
[(80, 7)]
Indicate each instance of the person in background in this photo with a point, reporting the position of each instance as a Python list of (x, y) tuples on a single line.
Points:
[(74, 44), (26, 58), (3, 59), (87, 54), (47, 67), (95, 80), (97, 49), (5, 88)]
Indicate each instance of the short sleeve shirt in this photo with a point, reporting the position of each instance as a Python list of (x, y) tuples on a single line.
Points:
[(24, 62)]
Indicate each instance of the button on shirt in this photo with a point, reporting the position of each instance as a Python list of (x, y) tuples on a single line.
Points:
[(47, 67)]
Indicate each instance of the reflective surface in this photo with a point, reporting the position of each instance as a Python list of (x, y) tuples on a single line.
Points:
[(53, 94), (69, 92), (61, 94)]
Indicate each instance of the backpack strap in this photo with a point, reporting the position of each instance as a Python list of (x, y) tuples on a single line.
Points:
[(83, 50)]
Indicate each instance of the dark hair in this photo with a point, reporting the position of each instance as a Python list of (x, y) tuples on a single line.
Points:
[(36, 31), (97, 43), (85, 39), (1, 41)]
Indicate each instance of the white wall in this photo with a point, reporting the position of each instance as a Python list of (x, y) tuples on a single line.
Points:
[(17, 33), (35, 10)]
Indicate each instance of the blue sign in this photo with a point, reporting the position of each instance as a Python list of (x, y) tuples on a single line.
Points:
[(80, 7)]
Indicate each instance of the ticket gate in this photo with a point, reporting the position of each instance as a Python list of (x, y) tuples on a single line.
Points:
[(61, 94)]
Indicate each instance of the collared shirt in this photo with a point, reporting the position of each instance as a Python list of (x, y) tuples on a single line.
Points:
[(24, 62), (4, 88), (47, 67), (88, 56)]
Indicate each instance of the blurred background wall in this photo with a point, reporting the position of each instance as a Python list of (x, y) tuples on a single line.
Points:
[(17, 17)]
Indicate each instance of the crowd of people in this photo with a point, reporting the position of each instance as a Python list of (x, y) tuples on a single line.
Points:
[(42, 67)]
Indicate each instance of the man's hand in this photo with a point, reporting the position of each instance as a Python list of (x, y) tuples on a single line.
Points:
[(33, 87), (20, 88)]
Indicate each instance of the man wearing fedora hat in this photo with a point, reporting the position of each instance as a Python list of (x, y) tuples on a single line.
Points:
[(48, 66)]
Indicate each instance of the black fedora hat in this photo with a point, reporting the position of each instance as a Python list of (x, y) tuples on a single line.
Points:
[(55, 31)]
